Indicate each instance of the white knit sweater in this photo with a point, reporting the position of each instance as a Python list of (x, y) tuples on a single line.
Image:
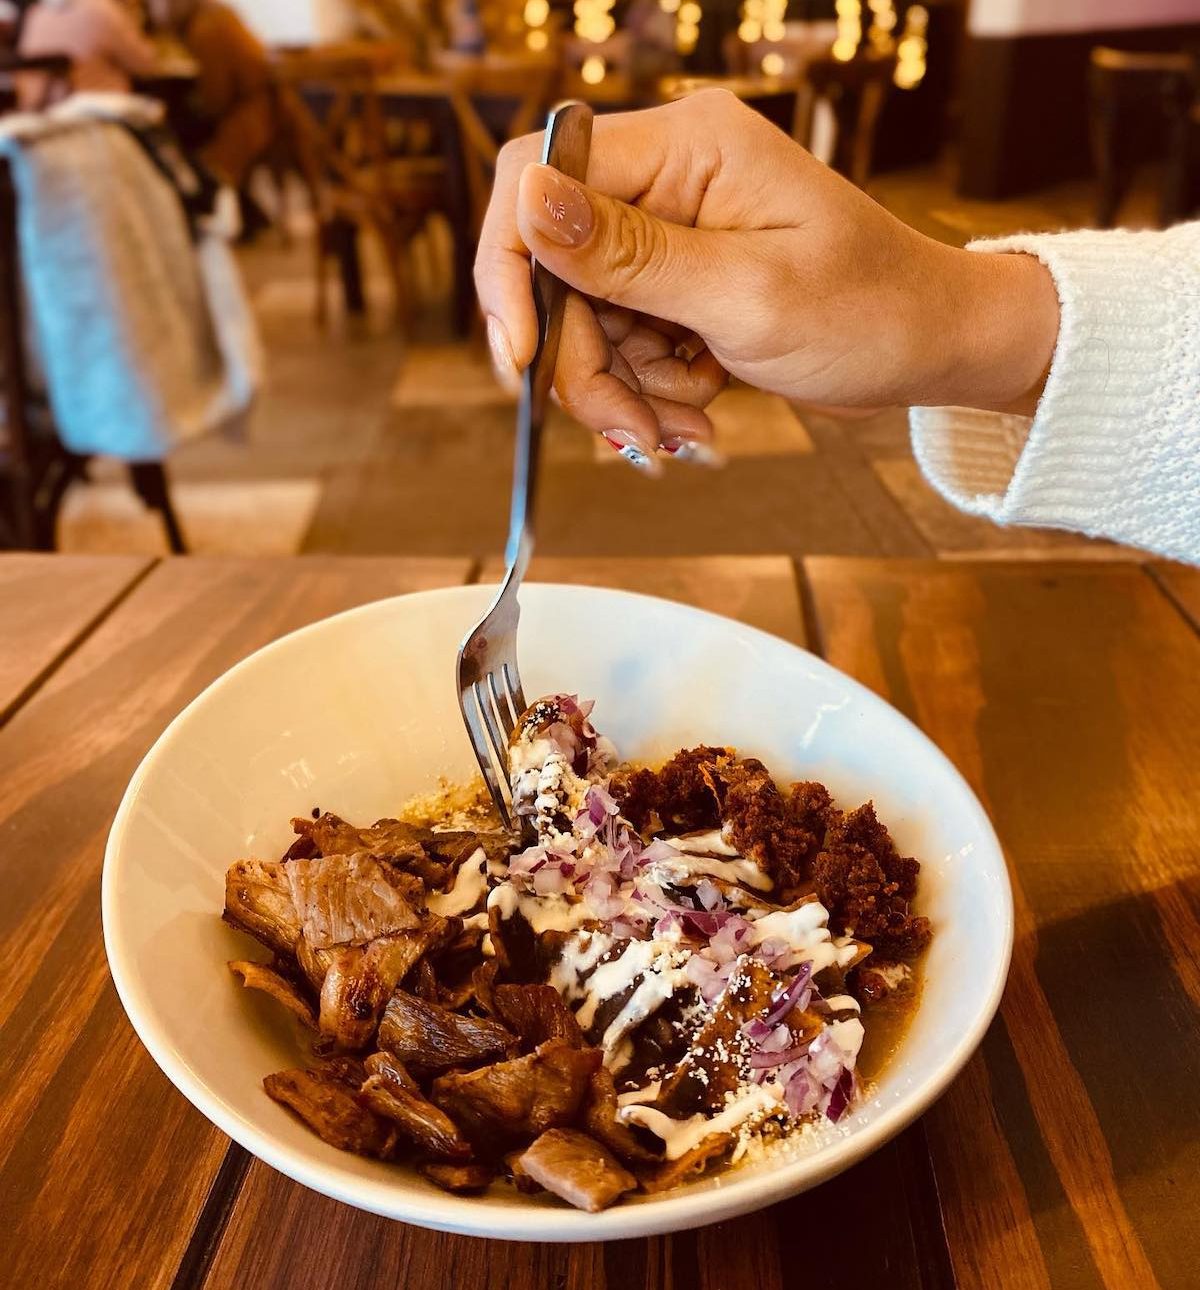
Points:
[(1114, 447)]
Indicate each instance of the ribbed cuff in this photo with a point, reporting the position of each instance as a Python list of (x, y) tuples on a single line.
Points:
[(1122, 393)]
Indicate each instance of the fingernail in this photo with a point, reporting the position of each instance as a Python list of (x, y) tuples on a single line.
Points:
[(634, 455), (699, 454), (627, 439), (503, 362), (561, 211)]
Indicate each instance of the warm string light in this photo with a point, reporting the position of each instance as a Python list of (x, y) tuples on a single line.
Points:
[(537, 13), (594, 23), (687, 25), (883, 22), (849, 30), (764, 20), (910, 52)]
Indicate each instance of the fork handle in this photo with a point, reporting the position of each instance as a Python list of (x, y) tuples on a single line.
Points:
[(565, 146)]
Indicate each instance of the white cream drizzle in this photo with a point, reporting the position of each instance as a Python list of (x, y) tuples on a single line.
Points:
[(680, 1136), (470, 884), (806, 930), (550, 913), (693, 862)]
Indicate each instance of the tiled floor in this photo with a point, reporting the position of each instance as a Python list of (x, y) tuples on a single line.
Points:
[(363, 442)]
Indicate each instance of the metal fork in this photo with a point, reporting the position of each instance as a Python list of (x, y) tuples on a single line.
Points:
[(489, 682)]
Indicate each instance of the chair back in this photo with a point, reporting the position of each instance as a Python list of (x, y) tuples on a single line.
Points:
[(496, 100), (856, 90)]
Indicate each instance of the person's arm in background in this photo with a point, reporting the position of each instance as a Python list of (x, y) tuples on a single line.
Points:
[(707, 243), (122, 44)]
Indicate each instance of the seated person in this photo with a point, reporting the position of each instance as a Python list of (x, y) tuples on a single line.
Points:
[(232, 117), (104, 45)]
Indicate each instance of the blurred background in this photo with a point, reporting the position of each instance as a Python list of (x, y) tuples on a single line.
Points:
[(236, 310)]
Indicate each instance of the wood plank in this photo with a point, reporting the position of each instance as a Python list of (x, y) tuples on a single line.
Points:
[(759, 590), (1182, 584), (1067, 695), (104, 1168), (46, 604)]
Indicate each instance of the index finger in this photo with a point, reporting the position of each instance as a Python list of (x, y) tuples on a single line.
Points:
[(631, 159)]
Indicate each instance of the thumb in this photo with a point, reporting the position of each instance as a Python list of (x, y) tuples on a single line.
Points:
[(617, 252)]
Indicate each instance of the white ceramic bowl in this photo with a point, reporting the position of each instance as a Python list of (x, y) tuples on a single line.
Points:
[(357, 713)]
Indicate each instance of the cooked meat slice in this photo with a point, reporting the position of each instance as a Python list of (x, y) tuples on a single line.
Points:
[(714, 1064), (352, 899), (345, 1069), (332, 836), (483, 984), (260, 976), (537, 1013), (672, 1172), (577, 1168), (362, 978), (422, 981), (454, 846), (431, 1037), (424, 1124), (518, 1098), (393, 1072), (462, 1179), (526, 1185), (332, 1111), (600, 1120), (313, 963), (258, 900)]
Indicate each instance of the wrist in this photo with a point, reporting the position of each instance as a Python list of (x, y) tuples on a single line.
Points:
[(999, 317)]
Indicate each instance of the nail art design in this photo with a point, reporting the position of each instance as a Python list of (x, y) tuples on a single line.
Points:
[(640, 460), (699, 454)]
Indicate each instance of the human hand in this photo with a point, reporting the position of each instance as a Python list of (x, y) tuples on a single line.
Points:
[(708, 243)]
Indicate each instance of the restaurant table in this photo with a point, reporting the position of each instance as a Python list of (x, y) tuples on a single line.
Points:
[(1066, 1154)]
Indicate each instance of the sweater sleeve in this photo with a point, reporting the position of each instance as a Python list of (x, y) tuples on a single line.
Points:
[(1113, 449)]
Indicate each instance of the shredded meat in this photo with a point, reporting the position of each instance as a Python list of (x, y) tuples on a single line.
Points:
[(680, 794), (461, 1179), (361, 978), (537, 1013), (258, 900), (514, 1099), (352, 899), (332, 1111), (600, 1120), (422, 1123), (431, 1037), (577, 1168), (260, 976)]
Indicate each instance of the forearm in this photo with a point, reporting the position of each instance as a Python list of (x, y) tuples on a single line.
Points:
[(1114, 446)]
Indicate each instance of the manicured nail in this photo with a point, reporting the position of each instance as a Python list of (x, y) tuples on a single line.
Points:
[(503, 362), (699, 454), (624, 444), (561, 211)]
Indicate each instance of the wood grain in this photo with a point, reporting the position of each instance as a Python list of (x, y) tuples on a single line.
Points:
[(104, 1168), (758, 590), (1069, 1152), (46, 604), (1182, 584)]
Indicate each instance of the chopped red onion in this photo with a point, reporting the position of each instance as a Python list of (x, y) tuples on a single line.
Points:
[(709, 894), (801, 1093), (840, 1098), (794, 996), (767, 1060)]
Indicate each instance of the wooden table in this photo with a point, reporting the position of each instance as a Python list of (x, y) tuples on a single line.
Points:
[(1068, 1152)]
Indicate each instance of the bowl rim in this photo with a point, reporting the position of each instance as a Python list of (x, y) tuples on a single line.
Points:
[(735, 1194)]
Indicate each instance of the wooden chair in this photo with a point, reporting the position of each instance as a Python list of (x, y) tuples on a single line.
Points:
[(496, 100), (856, 90), (358, 177), (1136, 97), (35, 468)]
